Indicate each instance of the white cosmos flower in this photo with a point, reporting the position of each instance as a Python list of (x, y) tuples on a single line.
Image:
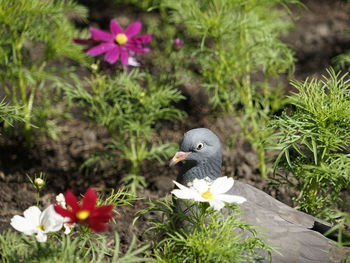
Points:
[(61, 201), (202, 190), (37, 222)]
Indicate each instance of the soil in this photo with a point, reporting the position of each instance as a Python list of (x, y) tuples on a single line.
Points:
[(320, 34)]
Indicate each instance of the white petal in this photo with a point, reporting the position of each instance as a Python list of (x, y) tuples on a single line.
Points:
[(41, 236), (32, 214), (201, 185), (133, 62), (180, 185), (50, 220), (221, 185), (185, 193), (216, 204), (230, 198), (24, 225)]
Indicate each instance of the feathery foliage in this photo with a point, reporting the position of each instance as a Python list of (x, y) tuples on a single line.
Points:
[(314, 142), (204, 235), (129, 105), (35, 33), (65, 248), (233, 42)]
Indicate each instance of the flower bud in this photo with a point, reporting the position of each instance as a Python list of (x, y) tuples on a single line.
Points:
[(94, 67), (39, 182), (178, 43)]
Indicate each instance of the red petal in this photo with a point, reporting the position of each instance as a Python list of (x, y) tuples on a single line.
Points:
[(97, 226), (89, 200), (72, 201), (64, 213)]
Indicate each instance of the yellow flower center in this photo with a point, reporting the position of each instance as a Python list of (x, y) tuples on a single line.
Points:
[(41, 227), (83, 214), (207, 195), (121, 39)]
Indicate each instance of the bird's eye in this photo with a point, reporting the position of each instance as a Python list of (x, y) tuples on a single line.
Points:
[(200, 146)]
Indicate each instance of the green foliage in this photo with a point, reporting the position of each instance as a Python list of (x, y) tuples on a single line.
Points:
[(35, 33), (8, 113), (129, 105), (235, 42), (201, 235), (15, 248), (313, 141)]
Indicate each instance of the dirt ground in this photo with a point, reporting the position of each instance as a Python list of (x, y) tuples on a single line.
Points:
[(320, 34)]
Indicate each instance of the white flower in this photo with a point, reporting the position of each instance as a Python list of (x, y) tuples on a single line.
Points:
[(37, 222), (61, 201), (203, 190)]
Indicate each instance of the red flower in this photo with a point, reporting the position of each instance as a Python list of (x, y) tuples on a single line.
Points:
[(86, 213)]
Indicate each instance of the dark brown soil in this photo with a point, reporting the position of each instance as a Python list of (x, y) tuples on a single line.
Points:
[(320, 34)]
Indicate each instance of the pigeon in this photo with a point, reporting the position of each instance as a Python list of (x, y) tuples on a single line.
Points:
[(297, 236)]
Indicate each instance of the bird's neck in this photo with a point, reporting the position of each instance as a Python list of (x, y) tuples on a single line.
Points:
[(191, 170)]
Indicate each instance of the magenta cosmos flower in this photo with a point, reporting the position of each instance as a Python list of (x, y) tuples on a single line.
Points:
[(117, 43), (86, 212)]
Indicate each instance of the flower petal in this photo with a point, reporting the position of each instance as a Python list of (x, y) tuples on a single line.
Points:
[(65, 213), (32, 214), (216, 204), (133, 62), (100, 49), (83, 41), (142, 39), (112, 56), (221, 185), (97, 226), (41, 236), (124, 56), (136, 48), (115, 27), (100, 35), (24, 225), (200, 185), (184, 194), (133, 29), (51, 221), (89, 200), (230, 198), (72, 201)]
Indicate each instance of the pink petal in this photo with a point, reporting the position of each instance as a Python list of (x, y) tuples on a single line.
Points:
[(142, 39), (115, 27), (133, 29), (112, 56), (100, 49), (100, 35), (89, 200), (124, 56)]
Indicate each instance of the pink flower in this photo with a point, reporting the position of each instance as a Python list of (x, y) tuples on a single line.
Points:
[(118, 43)]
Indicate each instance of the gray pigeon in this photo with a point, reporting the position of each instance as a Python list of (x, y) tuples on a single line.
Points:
[(296, 235)]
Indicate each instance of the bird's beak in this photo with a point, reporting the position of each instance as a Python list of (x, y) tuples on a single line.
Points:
[(179, 156)]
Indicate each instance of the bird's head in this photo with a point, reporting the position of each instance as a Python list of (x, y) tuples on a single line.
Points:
[(200, 153)]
